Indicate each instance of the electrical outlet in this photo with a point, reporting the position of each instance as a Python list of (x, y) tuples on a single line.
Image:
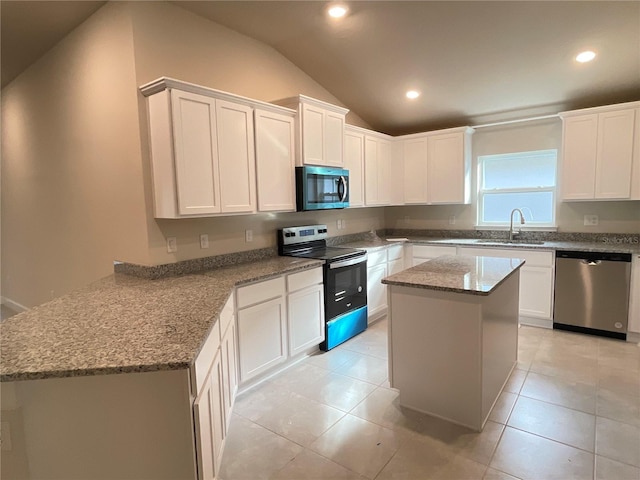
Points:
[(248, 235), (344, 223), (591, 220), (339, 224), (204, 241), (172, 245), (452, 220)]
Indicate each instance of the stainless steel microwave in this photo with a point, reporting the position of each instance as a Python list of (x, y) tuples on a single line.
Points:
[(321, 188)]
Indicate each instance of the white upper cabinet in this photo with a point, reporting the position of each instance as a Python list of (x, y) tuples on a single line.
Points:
[(377, 168), (275, 161), (236, 157), (203, 151), (437, 167), (354, 162), (415, 170), (598, 157), (449, 167), (195, 148), (319, 131)]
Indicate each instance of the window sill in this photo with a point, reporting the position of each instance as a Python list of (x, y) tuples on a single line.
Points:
[(525, 228)]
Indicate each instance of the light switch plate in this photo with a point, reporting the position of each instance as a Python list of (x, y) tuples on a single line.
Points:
[(172, 244), (248, 235), (591, 220), (204, 241)]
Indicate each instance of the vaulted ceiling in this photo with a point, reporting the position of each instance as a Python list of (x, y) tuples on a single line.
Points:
[(473, 62)]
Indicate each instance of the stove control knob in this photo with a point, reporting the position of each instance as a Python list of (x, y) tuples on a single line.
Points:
[(359, 288)]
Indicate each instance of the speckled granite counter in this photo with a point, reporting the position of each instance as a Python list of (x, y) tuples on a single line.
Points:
[(126, 324), (374, 243), (460, 274)]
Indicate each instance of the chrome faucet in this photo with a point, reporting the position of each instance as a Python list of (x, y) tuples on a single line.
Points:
[(511, 224)]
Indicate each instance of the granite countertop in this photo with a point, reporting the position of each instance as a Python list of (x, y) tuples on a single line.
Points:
[(376, 243), (123, 323), (460, 274)]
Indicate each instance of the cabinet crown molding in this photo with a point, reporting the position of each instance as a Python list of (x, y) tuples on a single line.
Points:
[(166, 83), (293, 102), (601, 109)]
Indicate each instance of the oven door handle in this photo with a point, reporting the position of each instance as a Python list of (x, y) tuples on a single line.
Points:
[(346, 263)]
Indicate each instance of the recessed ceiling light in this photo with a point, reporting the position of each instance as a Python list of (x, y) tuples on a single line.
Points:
[(412, 94), (338, 11), (585, 56)]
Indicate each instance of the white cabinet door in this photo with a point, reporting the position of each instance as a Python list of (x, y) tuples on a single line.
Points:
[(447, 168), (262, 337), (333, 139), (210, 424), (415, 170), (275, 162), (376, 164), (306, 318), (536, 292), (579, 151), (354, 162), (376, 291), (322, 136), (228, 354), (615, 154), (312, 135), (236, 157), (395, 266), (195, 150)]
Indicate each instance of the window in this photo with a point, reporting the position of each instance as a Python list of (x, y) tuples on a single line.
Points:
[(524, 180)]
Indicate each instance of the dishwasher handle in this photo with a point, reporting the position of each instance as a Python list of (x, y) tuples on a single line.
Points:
[(591, 263)]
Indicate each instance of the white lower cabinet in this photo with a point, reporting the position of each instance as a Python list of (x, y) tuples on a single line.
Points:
[(380, 264), (262, 337), (424, 253), (536, 281), (305, 304), (210, 423), (278, 319), (214, 383)]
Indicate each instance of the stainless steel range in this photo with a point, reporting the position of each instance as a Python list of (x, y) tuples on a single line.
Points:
[(345, 280)]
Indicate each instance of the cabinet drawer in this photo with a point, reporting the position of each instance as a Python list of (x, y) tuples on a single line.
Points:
[(395, 252), (205, 357), (226, 316), (304, 279), (377, 257), (532, 258), (432, 251), (260, 292)]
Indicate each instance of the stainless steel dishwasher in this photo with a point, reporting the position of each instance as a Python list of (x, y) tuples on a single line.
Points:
[(592, 293)]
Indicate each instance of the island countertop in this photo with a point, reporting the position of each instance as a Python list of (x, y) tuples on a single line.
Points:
[(473, 275), (123, 323)]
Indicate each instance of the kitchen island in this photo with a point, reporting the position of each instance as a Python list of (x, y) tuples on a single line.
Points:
[(453, 335)]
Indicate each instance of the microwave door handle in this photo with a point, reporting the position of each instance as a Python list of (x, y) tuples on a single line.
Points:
[(343, 181)]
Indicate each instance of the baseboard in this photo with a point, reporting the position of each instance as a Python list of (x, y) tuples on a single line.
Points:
[(536, 322), (15, 306), (633, 337)]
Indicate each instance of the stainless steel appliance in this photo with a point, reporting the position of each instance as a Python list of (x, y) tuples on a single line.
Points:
[(321, 188), (345, 280), (592, 293)]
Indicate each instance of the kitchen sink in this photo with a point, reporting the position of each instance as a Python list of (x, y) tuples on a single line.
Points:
[(510, 242)]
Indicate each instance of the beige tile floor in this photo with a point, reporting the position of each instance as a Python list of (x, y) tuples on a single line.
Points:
[(571, 410)]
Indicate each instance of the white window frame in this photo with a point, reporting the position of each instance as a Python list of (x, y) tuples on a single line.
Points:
[(529, 225)]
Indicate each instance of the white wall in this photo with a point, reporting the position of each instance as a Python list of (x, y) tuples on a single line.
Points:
[(72, 200)]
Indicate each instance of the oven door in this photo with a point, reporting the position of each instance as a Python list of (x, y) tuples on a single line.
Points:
[(345, 286), (321, 188)]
